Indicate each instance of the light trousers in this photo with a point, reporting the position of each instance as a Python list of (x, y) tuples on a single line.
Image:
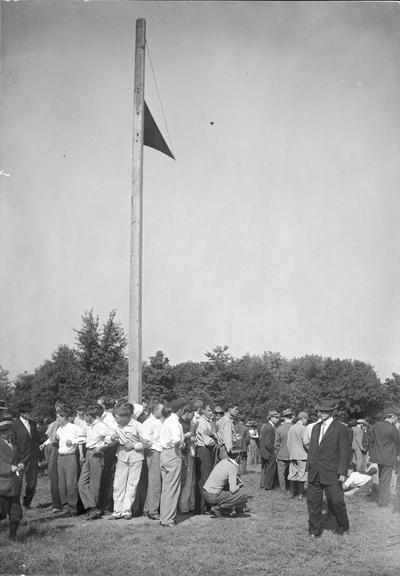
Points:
[(171, 464), (126, 480)]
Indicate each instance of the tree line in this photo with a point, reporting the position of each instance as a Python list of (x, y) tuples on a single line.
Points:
[(97, 365)]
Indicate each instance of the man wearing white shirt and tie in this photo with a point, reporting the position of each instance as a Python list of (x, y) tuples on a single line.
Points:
[(327, 467), (171, 440)]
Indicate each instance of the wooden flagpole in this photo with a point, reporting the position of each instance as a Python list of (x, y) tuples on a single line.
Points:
[(135, 279)]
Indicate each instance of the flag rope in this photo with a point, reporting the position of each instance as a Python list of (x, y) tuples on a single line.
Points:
[(159, 98)]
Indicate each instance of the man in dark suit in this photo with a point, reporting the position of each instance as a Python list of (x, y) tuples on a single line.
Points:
[(327, 467), (384, 450), (10, 474), (268, 478), (26, 438)]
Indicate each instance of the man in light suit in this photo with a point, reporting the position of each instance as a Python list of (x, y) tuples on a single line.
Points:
[(384, 450), (327, 467), (25, 437), (282, 450), (357, 447), (268, 476)]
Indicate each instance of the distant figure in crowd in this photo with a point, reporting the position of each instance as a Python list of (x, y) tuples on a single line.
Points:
[(282, 450), (225, 475), (51, 445), (384, 450), (327, 468), (357, 446), (11, 469), (297, 476), (225, 432), (242, 440), (268, 476), (26, 438), (253, 453)]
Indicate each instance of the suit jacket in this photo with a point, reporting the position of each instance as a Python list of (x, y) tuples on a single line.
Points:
[(267, 441), (282, 450), (384, 443), (27, 444), (330, 458), (295, 442), (9, 482)]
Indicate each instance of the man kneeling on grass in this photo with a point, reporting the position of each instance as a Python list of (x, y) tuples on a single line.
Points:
[(223, 488)]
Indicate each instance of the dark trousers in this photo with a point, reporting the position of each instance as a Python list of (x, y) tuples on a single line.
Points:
[(268, 476), (204, 466), (107, 479), (226, 500), (335, 497), (53, 477), (385, 479), (68, 480), (11, 506), (283, 471), (30, 475), (152, 503)]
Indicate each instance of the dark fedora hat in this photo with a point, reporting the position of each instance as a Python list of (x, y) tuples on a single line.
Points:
[(326, 405), (24, 407), (287, 412), (5, 422)]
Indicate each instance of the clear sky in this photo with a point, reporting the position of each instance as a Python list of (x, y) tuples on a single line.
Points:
[(277, 226)]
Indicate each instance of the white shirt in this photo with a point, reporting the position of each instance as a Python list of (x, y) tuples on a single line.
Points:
[(137, 410), (109, 421), (151, 429), (70, 432), (324, 427), (98, 434), (26, 424), (81, 423), (171, 433)]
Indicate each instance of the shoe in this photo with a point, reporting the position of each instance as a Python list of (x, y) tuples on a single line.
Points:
[(300, 497), (127, 516), (153, 516), (114, 517), (342, 531), (315, 534), (215, 512), (55, 510), (93, 514), (170, 525)]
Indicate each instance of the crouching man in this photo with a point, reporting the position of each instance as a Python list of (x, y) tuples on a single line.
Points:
[(10, 478), (223, 489)]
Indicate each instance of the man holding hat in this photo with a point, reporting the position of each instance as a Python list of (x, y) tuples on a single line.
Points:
[(26, 438), (10, 480), (384, 451), (267, 452), (327, 467), (282, 450)]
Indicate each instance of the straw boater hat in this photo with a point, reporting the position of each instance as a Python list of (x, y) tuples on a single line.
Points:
[(287, 412), (273, 413)]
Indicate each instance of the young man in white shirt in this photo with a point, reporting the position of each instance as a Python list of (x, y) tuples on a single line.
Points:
[(151, 430), (98, 436), (69, 436), (130, 456), (172, 441)]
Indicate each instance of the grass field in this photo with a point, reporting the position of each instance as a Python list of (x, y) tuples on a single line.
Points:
[(272, 540)]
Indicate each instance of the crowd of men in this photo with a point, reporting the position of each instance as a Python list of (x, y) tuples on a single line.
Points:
[(117, 459)]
